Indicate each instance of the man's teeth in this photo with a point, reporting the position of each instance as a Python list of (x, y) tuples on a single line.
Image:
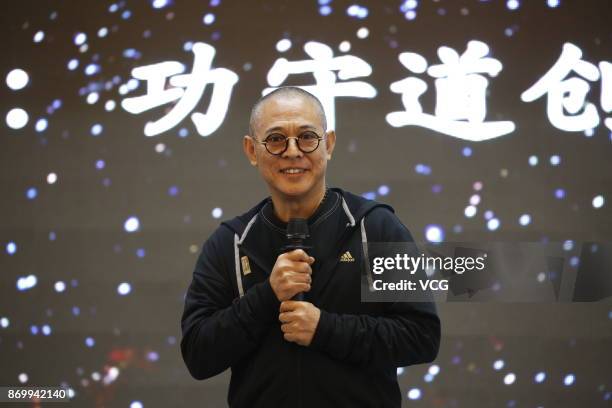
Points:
[(293, 171)]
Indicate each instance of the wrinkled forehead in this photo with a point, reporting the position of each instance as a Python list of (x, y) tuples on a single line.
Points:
[(288, 111)]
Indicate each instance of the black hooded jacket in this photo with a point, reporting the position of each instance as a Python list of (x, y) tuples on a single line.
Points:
[(231, 313)]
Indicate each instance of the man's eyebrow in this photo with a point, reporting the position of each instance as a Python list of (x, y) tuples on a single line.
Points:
[(281, 129)]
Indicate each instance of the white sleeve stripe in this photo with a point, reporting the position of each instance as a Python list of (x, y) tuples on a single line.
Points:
[(237, 266)]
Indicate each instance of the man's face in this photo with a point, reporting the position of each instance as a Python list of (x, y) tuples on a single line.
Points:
[(294, 173)]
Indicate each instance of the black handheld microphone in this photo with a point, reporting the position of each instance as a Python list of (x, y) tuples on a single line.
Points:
[(297, 233)]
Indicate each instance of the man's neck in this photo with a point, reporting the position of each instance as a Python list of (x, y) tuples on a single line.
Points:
[(293, 207)]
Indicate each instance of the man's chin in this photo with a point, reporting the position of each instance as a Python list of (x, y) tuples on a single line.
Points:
[(294, 191)]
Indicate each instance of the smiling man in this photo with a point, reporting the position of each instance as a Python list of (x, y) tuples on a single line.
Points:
[(331, 349)]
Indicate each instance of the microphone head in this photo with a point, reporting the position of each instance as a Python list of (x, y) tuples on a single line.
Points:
[(297, 228)]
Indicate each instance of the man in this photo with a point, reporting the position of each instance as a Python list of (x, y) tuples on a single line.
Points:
[(330, 350)]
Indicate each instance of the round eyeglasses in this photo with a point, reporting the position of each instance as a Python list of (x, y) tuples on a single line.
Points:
[(278, 144)]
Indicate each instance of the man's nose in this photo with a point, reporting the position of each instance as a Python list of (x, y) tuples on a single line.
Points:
[(292, 149)]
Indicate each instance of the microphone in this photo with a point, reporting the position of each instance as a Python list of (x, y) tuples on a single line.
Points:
[(297, 233)]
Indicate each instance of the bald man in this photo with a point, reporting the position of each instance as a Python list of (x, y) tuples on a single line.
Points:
[(331, 349)]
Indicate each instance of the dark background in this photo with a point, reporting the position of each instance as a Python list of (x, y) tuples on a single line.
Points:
[(73, 230)]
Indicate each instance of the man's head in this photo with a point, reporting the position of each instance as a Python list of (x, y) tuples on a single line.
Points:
[(293, 113)]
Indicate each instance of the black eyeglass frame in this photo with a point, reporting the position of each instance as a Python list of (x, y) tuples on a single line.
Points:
[(297, 142)]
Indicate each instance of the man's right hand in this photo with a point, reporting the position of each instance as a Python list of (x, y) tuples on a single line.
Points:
[(291, 274)]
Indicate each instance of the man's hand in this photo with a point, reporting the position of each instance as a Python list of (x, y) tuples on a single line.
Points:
[(291, 274), (299, 321)]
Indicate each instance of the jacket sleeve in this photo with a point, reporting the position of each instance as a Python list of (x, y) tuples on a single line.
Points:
[(218, 327), (405, 333)]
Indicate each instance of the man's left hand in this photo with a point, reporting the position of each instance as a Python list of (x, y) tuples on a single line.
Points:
[(299, 321)]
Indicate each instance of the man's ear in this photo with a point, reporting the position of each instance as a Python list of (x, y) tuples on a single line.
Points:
[(248, 144), (330, 143)]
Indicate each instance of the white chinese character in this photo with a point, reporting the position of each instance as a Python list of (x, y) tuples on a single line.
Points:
[(606, 90), (568, 94), (322, 65), (460, 94), (188, 89)]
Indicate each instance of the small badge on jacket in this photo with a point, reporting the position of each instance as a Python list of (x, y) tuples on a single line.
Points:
[(347, 257), (246, 267)]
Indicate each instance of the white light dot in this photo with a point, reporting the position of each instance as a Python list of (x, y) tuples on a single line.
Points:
[(90, 342), (533, 161), (410, 15), (217, 212), (540, 377), (470, 211), (475, 199), (11, 248), (524, 219), (598, 201), (132, 224), (17, 79), (41, 125), (414, 394), (136, 404), (552, 3), (363, 32), (4, 322), (555, 160), (509, 378), (589, 132), (160, 147), (493, 224), (46, 330), (498, 365), (569, 380), (92, 98), (73, 64), (124, 288), (17, 118), (92, 69), (512, 4), (568, 245), (80, 38), (110, 105), (209, 18), (160, 3), (132, 84), (400, 370), (102, 32), (26, 282), (96, 129), (283, 45), (383, 190), (111, 375), (541, 277), (60, 286), (344, 46), (39, 36), (410, 4), (434, 369), (23, 378), (434, 233), (96, 376)]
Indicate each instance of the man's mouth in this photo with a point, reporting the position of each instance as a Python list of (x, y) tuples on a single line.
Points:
[(293, 170)]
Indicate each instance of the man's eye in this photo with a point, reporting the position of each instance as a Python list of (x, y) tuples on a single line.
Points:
[(308, 136), (275, 138)]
